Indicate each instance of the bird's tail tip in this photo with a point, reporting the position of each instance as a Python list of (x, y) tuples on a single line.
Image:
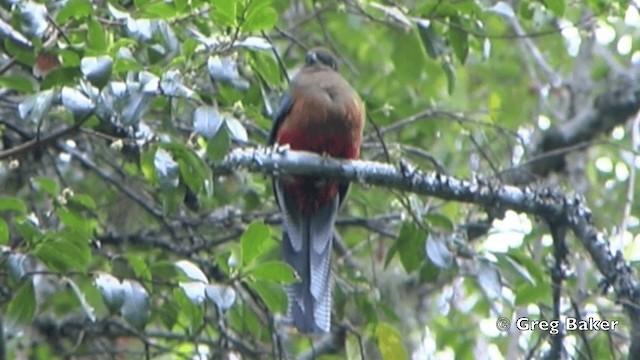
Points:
[(307, 314)]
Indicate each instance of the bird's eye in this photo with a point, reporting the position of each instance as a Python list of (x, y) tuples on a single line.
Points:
[(312, 58)]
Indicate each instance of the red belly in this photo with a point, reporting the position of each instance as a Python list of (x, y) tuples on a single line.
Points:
[(311, 192)]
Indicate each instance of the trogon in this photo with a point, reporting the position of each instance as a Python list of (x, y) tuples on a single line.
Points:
[(321, 113)]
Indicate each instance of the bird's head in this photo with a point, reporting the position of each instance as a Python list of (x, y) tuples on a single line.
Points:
[(321, 57)]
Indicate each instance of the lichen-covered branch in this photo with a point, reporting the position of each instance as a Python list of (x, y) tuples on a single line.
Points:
[(552, 205)]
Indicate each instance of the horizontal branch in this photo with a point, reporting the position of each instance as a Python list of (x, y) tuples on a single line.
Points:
[(46, 140), (75, 328), (552, 205)]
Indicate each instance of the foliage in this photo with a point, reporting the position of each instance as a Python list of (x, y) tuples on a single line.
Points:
[(116, 113)]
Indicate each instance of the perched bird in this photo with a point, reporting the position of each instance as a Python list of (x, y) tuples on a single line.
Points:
[(321, 113)]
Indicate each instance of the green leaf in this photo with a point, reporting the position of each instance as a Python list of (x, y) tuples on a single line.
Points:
[(190, 177), (266, 65), (439, 220), (193, 170), (222, 260), (82, 298), (181, 5), (353, 349), (10, 203), (513, 267), (19, 83), (556, 6), (77, 9), (408, 57), (76, 222), (121, 267), (223, 12), (189, 47), (22, 307), (489, 279), (242, 316), (64, 252), (526, 10), (393, 250), (254, 241), (459, 39), (166, 168), (218, 146), (236, 130), (164, 269), (147, 166), (223, 296), (97, 69), (411, 242), (432, 41), (429, 272), (366, 308), (4, 232), (388, 310), (27, 229), (169, 314), (60, 77), (451, 76), (83, 201), (139, 266), (390, 342), (272, 294), (190, 315), (438, 253), (207, 121), (527, 294), (261, 19), (598, 6), (46, 184), (172, 199), (96, 37), (534, 268), (159, 9), (69, 58), (23, 55), (122, 65), (277, 271)]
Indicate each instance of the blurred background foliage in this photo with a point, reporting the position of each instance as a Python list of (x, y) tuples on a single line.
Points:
[(120, 241)]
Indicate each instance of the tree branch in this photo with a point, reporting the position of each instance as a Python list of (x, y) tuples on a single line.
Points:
[(73, 328), (42, 142), (610, 109), (328, 345), (551, 205)]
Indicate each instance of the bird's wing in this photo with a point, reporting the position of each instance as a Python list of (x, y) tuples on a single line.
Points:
[(286, 102)]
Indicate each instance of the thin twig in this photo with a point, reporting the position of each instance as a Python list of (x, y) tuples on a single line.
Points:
[(42, 141), (554, 79), (631, 184), (85, 161)]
